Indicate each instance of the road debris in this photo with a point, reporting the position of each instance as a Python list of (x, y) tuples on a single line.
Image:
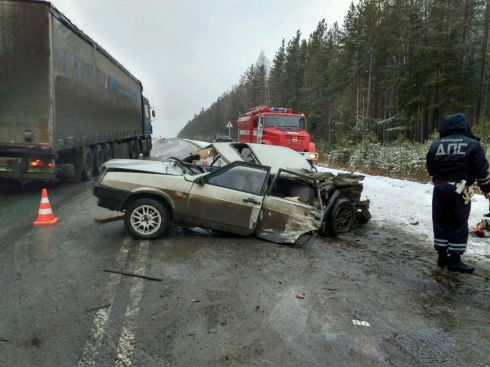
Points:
[(132, 275), (196, 300), (300, 296), (358, 322), (111, 218), (98, 308)]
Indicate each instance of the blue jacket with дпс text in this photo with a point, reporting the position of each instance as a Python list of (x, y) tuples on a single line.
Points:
[(458, 155)]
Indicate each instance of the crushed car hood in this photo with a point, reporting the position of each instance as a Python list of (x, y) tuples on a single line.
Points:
[(142, 166)]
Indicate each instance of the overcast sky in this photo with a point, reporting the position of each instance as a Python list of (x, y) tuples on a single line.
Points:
[(189, 52)]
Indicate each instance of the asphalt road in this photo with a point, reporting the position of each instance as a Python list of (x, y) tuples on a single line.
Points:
[(371, 297)]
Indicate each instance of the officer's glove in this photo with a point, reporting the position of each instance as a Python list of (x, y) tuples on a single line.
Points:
[(467, 194)]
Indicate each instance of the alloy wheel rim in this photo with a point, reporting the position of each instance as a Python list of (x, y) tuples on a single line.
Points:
[(343, 218), (146, 220)]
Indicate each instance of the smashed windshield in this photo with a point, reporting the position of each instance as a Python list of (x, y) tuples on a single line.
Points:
[(285, 121)]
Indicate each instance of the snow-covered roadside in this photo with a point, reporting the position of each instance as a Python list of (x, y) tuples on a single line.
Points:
[(406, 206)]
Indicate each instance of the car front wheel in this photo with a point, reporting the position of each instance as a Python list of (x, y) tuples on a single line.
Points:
[(342, 216), (146, 219)]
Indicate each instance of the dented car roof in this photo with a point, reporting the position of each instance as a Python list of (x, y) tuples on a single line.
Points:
[(272, 156), (275, 157)]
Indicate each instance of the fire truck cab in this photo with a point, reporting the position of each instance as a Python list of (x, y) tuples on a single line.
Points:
[(276, 126)]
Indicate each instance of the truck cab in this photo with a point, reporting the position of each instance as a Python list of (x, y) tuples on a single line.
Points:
[(148, 114), (276, 126)]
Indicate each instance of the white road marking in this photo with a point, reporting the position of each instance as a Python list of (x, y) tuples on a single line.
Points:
[(90, 350), (125, 346)]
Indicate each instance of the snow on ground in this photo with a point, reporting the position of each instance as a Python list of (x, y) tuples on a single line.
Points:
[(407, 206)]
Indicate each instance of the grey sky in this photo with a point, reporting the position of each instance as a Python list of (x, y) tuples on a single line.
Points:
[(189, 52)]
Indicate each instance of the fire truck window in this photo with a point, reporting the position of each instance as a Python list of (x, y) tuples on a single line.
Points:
[(284, 121), (302, 123), (256, 122)]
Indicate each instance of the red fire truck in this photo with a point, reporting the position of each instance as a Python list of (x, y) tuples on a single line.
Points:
[(276, 126)]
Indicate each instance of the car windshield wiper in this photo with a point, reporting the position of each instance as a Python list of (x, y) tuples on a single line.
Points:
[(179, 163)]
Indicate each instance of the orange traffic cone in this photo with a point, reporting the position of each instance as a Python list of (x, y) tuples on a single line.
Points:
[(45, 216), (204, 162)]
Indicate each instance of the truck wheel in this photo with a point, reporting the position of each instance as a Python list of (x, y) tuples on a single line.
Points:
[(115, 150), (88, 164), (139, 147), (108, 152), (147, 145), (133, 151), (146, 219), (342, 216), (98, 159)]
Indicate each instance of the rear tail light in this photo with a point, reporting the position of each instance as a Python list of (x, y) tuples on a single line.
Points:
[(41, 165)]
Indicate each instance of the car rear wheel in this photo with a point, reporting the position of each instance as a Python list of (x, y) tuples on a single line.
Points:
[(342, 216), (146, 219)]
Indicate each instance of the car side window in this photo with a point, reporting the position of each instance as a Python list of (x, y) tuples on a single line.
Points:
[(241, 178)]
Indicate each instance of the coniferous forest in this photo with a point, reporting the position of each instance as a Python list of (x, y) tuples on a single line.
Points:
[(391, 72)]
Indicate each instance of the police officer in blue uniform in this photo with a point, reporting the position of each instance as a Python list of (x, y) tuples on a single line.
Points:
[(455, 161)]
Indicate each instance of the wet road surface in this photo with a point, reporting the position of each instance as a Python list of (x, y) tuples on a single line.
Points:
[(372, 297)]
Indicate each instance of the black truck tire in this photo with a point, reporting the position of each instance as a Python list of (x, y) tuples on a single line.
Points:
[(115, 150), (88, 164), (146, 219), (341, 217), (99, 159), (139, 147), (133, 150), (147, 145), (108, 153)]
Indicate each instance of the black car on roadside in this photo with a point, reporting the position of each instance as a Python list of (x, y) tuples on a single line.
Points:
[(222, 139)]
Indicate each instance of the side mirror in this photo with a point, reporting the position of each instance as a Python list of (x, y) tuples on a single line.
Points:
[(153, 113), (200, 180)]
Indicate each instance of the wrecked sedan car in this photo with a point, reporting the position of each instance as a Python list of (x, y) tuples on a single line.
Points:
[(241, 194), (340, 195)]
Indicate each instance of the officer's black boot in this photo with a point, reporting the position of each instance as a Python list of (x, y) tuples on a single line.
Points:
[(442, 260), (455, 264)]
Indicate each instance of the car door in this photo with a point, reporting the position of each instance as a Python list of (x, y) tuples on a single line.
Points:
[(228, 199), (291, 208)]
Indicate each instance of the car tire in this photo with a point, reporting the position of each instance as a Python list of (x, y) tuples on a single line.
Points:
[(146, 219), (342, 216), (99, 159), (323, 230), (88, 164)]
